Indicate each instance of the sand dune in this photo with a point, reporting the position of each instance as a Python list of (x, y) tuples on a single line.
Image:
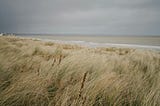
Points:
[(42, 73)]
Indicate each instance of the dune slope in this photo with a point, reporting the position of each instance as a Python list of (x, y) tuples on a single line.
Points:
[(37, 73)]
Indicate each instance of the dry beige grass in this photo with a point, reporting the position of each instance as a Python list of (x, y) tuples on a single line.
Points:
[(36, 73)]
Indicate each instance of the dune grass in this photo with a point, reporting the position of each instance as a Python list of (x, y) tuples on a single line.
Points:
[(36, 73)]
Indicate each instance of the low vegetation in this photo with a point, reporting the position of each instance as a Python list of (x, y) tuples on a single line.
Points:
[(36, 73)]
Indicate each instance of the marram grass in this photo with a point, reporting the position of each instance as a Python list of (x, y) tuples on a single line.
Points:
[(36, 73)]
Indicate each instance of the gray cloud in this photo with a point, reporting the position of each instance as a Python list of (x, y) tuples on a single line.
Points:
[(129, 17)]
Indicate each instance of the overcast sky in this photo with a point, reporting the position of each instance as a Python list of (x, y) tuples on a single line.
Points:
[(109, 17)]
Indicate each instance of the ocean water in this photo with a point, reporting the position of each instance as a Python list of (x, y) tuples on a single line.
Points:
[(151, 42)]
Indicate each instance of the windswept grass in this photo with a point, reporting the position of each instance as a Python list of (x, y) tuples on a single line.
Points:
[(36, 73)]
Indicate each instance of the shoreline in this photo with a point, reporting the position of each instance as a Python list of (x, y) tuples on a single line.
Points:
[(95, 45)]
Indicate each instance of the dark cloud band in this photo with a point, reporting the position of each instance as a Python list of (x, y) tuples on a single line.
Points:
[(129, 17)]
